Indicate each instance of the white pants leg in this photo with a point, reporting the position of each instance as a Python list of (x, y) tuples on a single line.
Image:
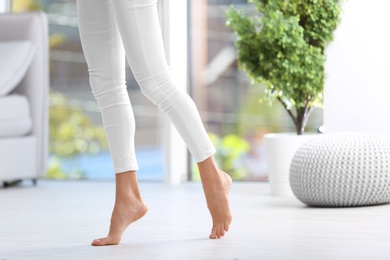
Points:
[(107, 27)]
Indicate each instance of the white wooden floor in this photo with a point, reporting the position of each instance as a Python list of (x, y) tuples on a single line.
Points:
[(58, 220)]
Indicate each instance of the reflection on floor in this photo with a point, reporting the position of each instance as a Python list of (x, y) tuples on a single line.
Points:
[(58, 220)]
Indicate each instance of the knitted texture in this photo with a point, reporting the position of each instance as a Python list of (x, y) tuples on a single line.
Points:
[(342, 170)]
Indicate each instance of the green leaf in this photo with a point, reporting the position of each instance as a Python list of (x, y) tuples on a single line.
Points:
[(285, 47)]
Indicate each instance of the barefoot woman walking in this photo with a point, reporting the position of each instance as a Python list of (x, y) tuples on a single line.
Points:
[(110, 31)]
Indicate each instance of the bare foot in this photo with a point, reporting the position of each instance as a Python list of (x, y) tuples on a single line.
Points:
[(217, 188), (126, 211)]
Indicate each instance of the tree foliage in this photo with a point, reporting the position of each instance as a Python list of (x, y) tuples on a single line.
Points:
[(284, 47)]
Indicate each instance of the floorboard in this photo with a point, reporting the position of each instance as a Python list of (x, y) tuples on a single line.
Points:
[(58, 220)]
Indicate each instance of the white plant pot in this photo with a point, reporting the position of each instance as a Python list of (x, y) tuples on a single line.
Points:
[(279, 151)]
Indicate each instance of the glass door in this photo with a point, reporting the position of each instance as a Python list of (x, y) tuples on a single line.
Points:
[(234, 111)]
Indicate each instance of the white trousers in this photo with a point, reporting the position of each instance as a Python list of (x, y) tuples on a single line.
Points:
[(111, 30)]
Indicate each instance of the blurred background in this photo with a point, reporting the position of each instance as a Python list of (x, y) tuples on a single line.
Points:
[(232, 109)]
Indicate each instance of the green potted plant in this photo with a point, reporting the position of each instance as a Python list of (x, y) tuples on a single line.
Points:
[(283, 47)]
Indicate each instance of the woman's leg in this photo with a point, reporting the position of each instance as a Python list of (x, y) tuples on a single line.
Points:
[(128, 208), (140, 31), (105, 56), (103, 50)]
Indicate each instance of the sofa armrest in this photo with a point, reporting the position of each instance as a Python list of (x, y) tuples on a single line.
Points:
[(33, 26)]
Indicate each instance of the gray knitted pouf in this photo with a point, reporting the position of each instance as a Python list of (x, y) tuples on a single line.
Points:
[(342, 170)]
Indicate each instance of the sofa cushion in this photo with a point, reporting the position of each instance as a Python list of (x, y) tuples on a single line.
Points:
[(16, 57), (15, 119)]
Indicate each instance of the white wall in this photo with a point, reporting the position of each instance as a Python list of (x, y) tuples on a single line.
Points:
[(4, 6), (357, 88)]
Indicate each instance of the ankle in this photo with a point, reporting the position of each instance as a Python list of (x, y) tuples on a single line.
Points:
[(213, 179), (128, 197), (212, 173)]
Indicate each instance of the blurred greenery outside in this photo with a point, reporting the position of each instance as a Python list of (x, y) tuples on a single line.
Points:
[(241, 139), (238, 144), (71, 131), (71, 134)]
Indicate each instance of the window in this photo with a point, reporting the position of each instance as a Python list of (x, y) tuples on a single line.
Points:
[(77, 142), (229, 104)]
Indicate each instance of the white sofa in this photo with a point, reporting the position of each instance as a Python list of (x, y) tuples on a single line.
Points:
[(23, 96)]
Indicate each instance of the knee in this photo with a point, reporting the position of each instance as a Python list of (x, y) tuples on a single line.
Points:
[(104, 81), (161, 90), (111, 96)]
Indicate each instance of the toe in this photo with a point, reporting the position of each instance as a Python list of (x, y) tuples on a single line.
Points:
[(221, 231), (226, 227), (107, 241), (218, 232), (213, 233), (212, 236), (97, 242)]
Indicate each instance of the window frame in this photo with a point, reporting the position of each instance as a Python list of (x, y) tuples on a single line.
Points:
[(173, 20)]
